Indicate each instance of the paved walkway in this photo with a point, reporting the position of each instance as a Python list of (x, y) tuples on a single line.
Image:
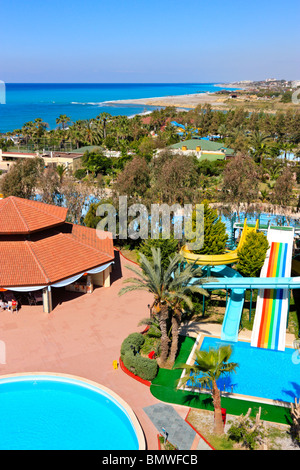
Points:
[(193, 329), (166, 419), (82, 337)]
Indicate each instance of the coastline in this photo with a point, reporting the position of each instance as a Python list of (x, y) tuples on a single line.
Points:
[(178, 101), (85, 101), (235, 86)]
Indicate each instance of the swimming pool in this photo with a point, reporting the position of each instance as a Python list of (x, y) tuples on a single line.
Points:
[(262, 373), (50, 412)]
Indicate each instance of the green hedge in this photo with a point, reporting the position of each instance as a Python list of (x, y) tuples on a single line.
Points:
[(133, 342), (143, 367)]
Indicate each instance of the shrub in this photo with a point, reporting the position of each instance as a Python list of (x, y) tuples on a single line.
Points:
[(146, 368), (151, 344), (133, 342), (80, 174), (129, 361), (243, 434), (143, 367), (168, 247)]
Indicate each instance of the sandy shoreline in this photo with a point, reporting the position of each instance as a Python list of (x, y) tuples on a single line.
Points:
[(180, 101)]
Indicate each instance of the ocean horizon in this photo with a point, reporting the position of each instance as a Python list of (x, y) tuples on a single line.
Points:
[(79, 101)]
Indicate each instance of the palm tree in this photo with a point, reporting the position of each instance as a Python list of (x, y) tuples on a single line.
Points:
[(287, 147), (183, 285), (274, 167), (63, 120), (90, 132), (28, 131), (258, 142), (209, 366), (264, 193), (236, 138), (61, 171), (170, 288), (171, 134), (121, 127), (188, 132), (74, 133), (39, 131), (40, 126), (103, 118), (222, 131)]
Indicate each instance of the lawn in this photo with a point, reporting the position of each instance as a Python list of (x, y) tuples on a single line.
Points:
[(164, 388)]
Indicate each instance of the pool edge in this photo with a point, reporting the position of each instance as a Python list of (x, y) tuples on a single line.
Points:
[(132, 416), (260, 400)]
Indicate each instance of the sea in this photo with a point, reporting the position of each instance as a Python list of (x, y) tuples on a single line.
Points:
[(25, 102)]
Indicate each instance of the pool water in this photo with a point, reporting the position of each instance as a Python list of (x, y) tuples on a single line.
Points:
[(48, 414), (261, 373), (264, 218)]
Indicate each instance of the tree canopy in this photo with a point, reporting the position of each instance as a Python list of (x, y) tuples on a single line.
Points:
[(252, 255)]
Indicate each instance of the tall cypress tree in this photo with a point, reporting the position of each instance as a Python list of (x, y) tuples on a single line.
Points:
[(252, 255), (215, 236)]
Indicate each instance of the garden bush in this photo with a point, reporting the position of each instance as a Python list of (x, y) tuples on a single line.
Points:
[(151, 344), (146, 368), (139, 365), (129, 361), (80, 173), (133, 342)]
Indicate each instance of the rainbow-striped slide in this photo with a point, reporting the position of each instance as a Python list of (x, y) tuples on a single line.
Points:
[(269, 327)]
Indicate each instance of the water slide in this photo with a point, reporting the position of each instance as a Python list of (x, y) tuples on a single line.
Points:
[(233, 314), (230, 257), (275, 283), (234, 308), (272, 305), (235, 304)]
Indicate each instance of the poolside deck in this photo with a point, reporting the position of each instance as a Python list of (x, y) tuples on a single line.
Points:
[(193, 329), (82, 337)]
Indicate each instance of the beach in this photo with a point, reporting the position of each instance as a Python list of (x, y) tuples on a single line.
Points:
[(187, 101), (81, 101)]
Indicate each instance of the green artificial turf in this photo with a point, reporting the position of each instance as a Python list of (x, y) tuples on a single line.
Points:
[(164, 388)]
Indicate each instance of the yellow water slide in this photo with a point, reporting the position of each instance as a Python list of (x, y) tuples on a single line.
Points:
[(229, 257)]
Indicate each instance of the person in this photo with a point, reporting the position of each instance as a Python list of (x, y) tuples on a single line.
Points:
[(14, 305), (3, 305)]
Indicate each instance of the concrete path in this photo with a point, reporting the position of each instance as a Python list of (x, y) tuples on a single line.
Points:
[(179, 432), (82, 337)]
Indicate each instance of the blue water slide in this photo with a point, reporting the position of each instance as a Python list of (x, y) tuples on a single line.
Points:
[(235, 304), (224, 277), (254, 283), (233, 314)]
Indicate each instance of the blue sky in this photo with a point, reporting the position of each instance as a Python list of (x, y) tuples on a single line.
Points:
[(148, 41)]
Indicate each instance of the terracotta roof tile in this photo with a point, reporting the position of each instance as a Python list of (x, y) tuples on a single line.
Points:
[(22, 216), (50, 255)]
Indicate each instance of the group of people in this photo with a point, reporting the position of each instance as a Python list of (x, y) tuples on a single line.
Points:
[(11, 305)]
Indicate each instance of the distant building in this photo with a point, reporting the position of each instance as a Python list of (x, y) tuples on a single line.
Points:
[(68, 159), (203, 149)]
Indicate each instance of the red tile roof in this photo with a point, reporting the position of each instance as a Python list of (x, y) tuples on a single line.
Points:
[(47, 256), (50, 256), (23, 216)]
